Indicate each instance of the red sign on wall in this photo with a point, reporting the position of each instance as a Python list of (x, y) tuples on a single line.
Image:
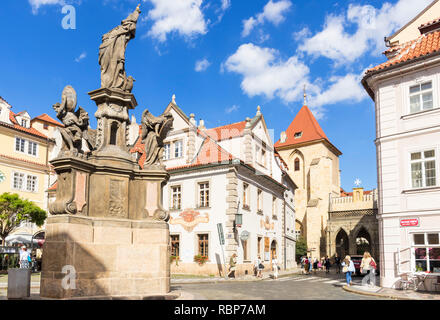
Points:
[(409, 222)]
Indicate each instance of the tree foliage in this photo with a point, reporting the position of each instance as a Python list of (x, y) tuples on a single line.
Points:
[(14, 211), (301, 247)]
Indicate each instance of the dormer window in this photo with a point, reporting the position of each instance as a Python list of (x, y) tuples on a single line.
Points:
[(298, 135), (24, 123)]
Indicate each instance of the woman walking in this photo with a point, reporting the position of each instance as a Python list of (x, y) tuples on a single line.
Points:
[(232, 264), (306, 265), (259, 267), (368, 265), (315, 265), (348, 268), (327, 264)]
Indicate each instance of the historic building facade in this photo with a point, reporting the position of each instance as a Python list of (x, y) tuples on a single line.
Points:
[(27, 147), (352, 226), (228, 176), (313, 165), (405, 90)]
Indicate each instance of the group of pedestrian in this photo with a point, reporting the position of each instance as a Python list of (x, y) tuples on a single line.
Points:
[(308, 264), (368, 267)]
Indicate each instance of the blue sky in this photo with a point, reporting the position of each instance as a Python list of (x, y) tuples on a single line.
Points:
[(222, 58)]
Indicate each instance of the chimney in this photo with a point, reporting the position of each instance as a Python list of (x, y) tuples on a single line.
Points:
[(283, 137)]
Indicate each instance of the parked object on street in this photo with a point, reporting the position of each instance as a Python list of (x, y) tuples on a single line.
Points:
[(19, 283)]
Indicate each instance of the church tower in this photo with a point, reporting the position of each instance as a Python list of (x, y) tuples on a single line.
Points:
[(313, 163)]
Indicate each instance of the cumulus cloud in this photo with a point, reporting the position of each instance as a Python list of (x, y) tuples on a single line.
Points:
[(370, 24), (81, 57), (184, 17), (36, 4), (202, 65), (265, 73), (273, 12)]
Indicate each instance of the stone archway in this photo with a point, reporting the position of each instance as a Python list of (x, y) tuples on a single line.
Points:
[(342, 244), (363, 241)]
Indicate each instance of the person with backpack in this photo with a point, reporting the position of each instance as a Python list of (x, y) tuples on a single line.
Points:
[(368, 266), (348, 268)]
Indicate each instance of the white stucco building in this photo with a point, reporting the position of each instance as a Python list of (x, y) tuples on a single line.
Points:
[(407, 97), (215, 175)]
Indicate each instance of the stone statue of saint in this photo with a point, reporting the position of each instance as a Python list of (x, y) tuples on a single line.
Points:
[(76, 123), (154, 132), (112, 54)]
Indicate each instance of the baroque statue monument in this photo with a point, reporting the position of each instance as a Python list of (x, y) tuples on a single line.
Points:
[(107, 225)]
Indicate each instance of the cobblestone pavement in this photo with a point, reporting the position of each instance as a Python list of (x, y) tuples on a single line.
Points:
[(318, 286)]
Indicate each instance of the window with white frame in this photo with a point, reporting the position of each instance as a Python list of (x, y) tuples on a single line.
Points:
[(178, 146), (426, 252), (32, 148), (18, 181), (423, 169), (259, 201), (31, 183), (19, 144), (246, 199), (421, 97), (263, 157), (274, 207), (204, 195), (176, 197), (24, 123), (167, 152), (258, 154)]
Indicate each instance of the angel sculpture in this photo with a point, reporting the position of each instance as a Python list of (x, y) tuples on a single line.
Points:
[(75, 123), (154, 132)]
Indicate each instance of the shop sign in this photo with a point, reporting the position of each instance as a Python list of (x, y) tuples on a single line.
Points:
[(414, 222), (244, 235)]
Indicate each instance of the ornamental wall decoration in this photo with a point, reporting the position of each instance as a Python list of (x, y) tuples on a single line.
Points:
[(266, 224), (189, 219)]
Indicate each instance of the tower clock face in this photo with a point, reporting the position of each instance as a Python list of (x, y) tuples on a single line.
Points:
[(2, 177)]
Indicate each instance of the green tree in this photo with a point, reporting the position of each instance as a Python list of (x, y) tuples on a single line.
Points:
[(301, 247), (14, 211)]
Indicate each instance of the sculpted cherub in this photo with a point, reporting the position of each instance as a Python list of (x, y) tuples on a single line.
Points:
[(75, 123), (154, 132)]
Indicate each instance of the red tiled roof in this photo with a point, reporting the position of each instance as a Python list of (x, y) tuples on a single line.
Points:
[(350, 194), (53, 187), (46, 118), (227, 132), (16, 126), (306, 123), (424, 45)]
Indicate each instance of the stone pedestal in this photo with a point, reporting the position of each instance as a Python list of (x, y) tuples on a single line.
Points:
[(86, 257), (19, 283)]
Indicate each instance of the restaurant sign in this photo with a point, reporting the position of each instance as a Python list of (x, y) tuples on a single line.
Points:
[(414, 222)]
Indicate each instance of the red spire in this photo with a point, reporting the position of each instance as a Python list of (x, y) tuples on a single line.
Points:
[(304, 128)]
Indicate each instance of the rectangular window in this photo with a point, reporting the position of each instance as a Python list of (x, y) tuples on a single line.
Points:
[(32, 148), (175, 245), (258, 154), (246, 200), (45, 126), (203, 244), (263, 157), (204, 195), (423, 169), (274, 207), (259, 200), (426, 252), (421, 97), (24, 123), (178, 149), (259, 245), (167, 151), (31, 184), (176, 197), (245, 250), (19, 144), (18, 181)]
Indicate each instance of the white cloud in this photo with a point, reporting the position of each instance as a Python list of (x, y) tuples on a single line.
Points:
[(81, 56), (273, 12), (36, 4), (226, 4), (184, 17), (232, 109), (265, 73), (202, 65), (371, 25)]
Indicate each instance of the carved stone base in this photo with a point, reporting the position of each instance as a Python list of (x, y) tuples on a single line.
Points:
[(109, 257)]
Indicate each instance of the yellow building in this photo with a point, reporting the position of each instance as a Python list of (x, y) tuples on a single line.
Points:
[(24, 157), (313, 163)]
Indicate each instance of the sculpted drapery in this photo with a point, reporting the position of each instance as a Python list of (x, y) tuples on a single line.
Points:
[(112, 54)]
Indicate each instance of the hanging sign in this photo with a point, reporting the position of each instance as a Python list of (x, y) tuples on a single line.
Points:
[(221, 236), (244, 235), (414, 222)]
